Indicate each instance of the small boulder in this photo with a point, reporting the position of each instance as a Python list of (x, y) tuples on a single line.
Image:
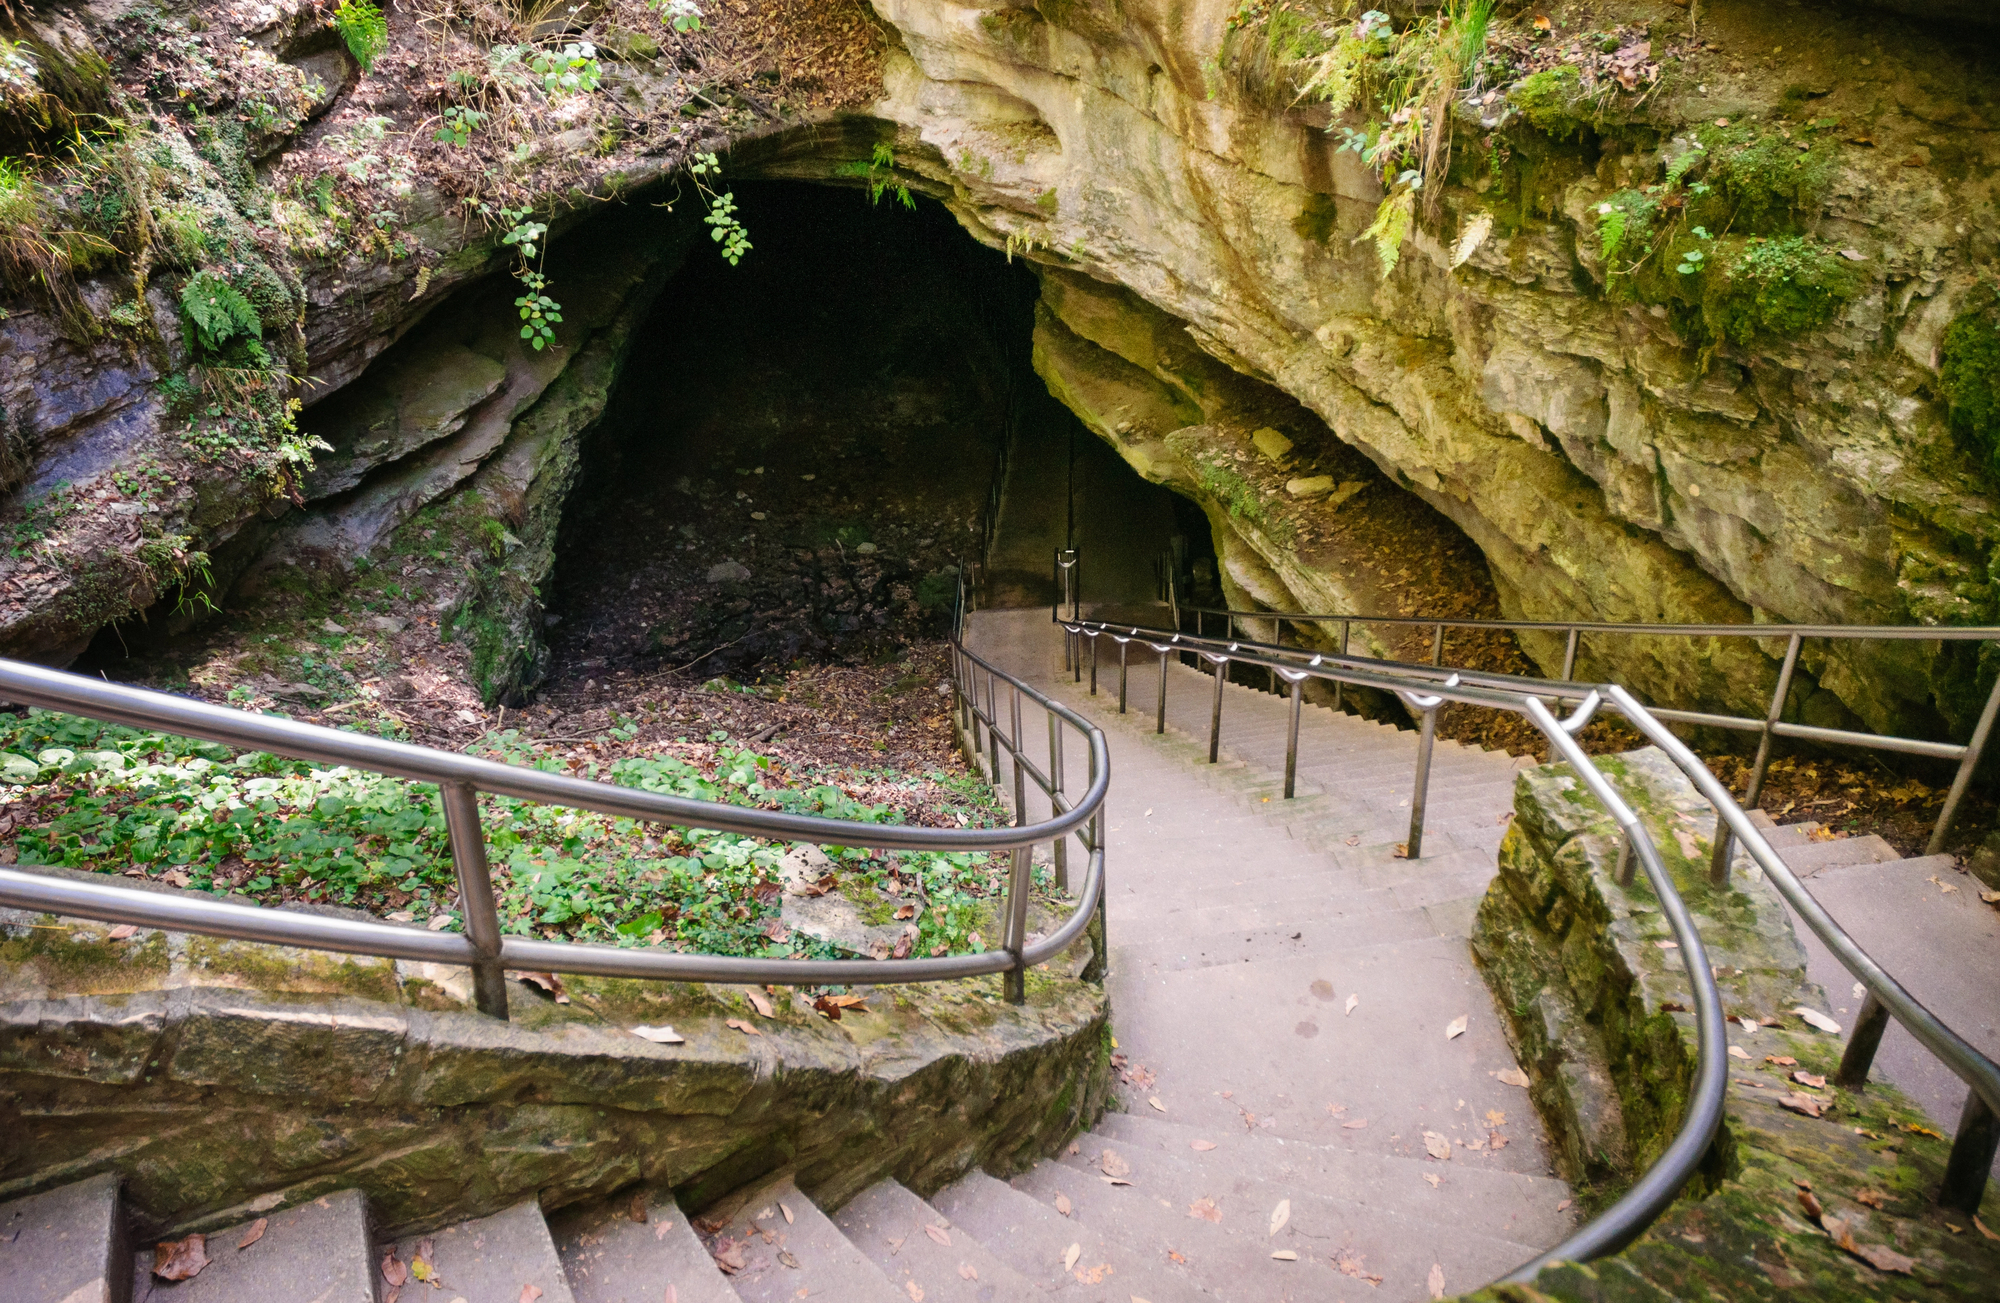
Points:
[(728, 572), (1309, 486), (1271, 443)]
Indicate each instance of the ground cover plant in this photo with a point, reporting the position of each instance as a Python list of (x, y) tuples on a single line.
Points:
[(100, 797)]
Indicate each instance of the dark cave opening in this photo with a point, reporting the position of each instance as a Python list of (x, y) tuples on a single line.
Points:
[(802, 452)]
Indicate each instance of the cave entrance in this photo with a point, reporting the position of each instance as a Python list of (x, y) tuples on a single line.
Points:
[(803, 450)]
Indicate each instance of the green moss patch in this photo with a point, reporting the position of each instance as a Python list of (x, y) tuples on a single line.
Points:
[(1969, 375)]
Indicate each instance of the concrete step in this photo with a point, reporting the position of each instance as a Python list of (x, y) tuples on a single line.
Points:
[(911, 1242), (609, 1256), (66, 1246), (318, 1252), (1035, 1240), (792, 1250), (497, 1258), (1175, 953), (1812, 858), (1174, 1201)]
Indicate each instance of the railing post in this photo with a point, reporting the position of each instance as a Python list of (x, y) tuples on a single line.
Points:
[(1963, 779), (1426, 742), (1094, 640), (1861, 1045), (1059, 850), (1569, 653), (1338, 686), (1215, 707), (1124, 647), (1628, 863), (993, 725), (1718, 865), (1292, 736), (1437, 646), (475, 896), (1972, 1151), (1020, 771), (1160, 720), (1014, 981)]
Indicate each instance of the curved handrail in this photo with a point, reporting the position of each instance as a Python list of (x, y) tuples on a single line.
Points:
[(1427, 687), (460, 777)]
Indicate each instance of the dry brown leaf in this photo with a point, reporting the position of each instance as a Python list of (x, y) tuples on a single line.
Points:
[(548, 982), (529, 1293), (1202, 1146), (728, 1255), (1437, 1146), (1805, 1078), (1285, 1255), (1154, 1100), (1782, 1060), (1114, 1180), (760, 1001), (1070, 1255), (1494, 1140), (1456, 1027), (742, 1026), (938, 1234), (1352, 1001), (904, 944), (1063, 1204), (660, 1035), (1512, 1077), (1815, 1018), (1798, 1103), (123, 932), (1355, 1125), (1114, 1165), (1436, 1280), (1738, 1052), (966, 1271), (180, 1259), (1205, 1209), (1495, 1118), (673, 1295), (393, 1269), (253, 1233), (916, 1291), (1434, 1179), (786, 1209), (1809, 1202), (1879, 1256), (1873, 1198), (1280, 1215), (906, 912)]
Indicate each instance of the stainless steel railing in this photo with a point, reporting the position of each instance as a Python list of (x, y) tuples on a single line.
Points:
[(460, 779), (1426, 688), (1769, 727)]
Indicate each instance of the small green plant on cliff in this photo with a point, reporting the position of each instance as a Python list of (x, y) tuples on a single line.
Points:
[(684, 16), (1969, 375), (362, 25), (724, 227), (1408, 80), (1776, 285), (879, 171), (222, 323), (459, 122)]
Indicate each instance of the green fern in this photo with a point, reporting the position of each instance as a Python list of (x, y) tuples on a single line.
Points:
[(364, 28), (219, 317)]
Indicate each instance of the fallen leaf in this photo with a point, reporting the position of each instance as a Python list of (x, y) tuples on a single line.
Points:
[(1401, 851), (548, 982), (123, 932), (1873, 1198), (1437, 1146), (1494, 1140), (1917, 1130), (1070, 1255), (660, 1230), (1349, 1264), (253, 1234), (393, 1269), (785, 1257), (906, 912), (760, 1001), (938, 1234), (673, 1295), (1114, 1165), (1798, 1103), (1782, 1060), (1285, 1255), (1808, 1079), (180, 1259), (904, 944), (1495, 1118), (966, 1271), (1352, 1000), (1154, 1100), (916, 1291), (1201, 1146), (1668, 945), (1990, 897), (1434, 1179), (742, 1026), (1063, 1204), (1564, 1204), (1810, 1203), (786, 1209), (1983, 1231), (1512, 1077), (1355, 1125), (529, 1293), (660, 1035), (1436, 1281), (1206, 1210), (1879, 1256), (1738, 1052), (1280, 1215), (728, 1255), (1456, 1027), (1114, 1180), (1815, 1018)]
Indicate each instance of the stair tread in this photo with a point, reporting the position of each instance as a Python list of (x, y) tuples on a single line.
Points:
[(65, 1245), (318, 1252), (1034, 1239), (494, 1257), (610, 1258), (887, 1224), (803, 1254), (1815, 857)]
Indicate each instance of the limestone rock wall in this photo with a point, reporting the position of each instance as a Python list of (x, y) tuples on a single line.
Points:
[(1601, 468)]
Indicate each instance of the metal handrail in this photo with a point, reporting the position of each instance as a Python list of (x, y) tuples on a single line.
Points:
[(1770, 727), (460, 778), (1427, 688)]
